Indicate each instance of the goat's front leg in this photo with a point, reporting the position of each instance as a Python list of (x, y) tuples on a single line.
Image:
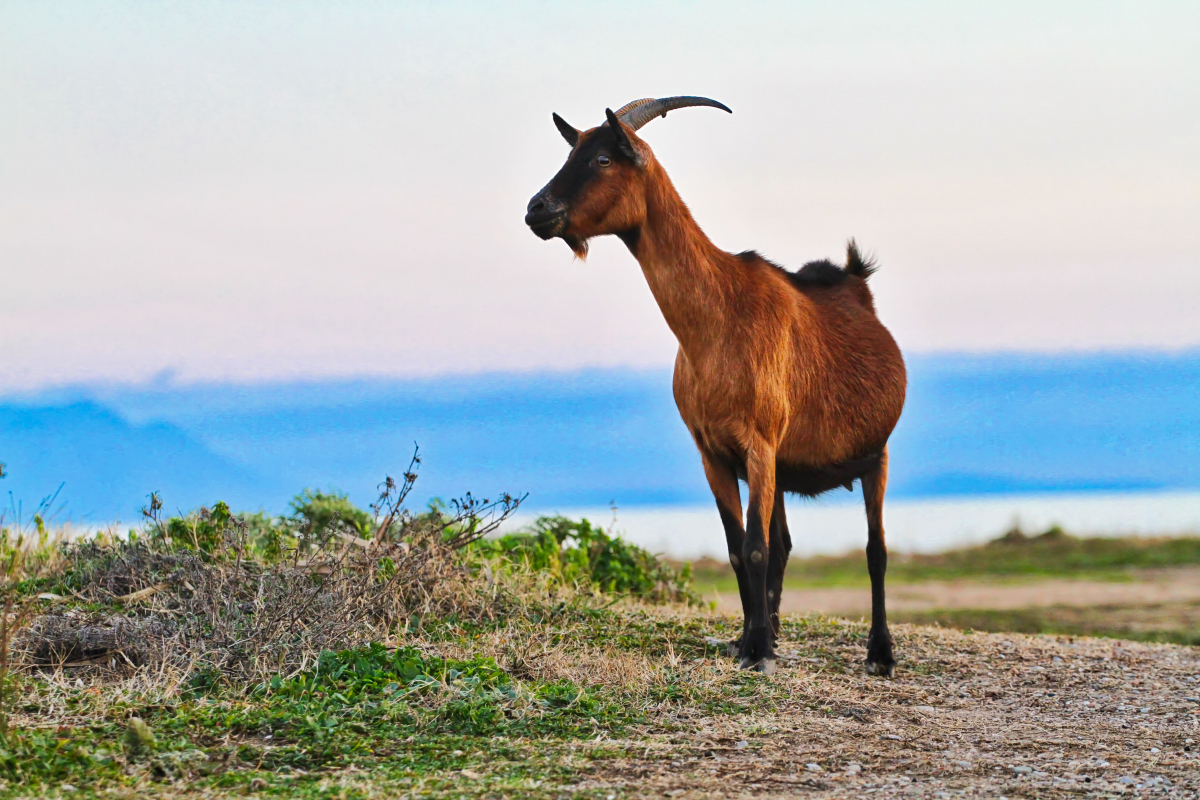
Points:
[(723, 482), (880, 660), (780, 544), (757, 650)]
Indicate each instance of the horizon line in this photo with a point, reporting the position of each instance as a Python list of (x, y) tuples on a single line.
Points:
[(166, 380)]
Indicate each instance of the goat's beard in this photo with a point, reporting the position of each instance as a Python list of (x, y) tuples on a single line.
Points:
[(578, 245)]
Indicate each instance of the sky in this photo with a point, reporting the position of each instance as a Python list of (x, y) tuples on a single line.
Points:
[(256, 192), (249, 247)]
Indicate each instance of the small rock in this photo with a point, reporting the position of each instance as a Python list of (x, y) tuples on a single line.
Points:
[(742, 745), (1153, 749), (853, 768), (891, 736), (1022, 770), (1057, 660), (964, 764), (1127, 780), (66, 787), (927, 709), (813, 767)]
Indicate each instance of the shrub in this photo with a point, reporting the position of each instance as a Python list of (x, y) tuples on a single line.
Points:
[(244, 596), (317, 515), (576, 552)]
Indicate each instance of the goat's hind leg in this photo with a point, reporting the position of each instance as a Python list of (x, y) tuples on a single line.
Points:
[(880, 660)]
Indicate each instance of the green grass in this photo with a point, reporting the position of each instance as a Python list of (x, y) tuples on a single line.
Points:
[(411, 719), (1013, 556), (522, 702)]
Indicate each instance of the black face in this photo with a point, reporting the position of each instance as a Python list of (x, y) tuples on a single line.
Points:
[(549, 210)]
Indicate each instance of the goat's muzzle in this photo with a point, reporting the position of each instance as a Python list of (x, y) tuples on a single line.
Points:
[(546, 217)]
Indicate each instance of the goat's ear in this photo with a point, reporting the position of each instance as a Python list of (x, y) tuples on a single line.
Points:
[(623, 143), (568, 132)]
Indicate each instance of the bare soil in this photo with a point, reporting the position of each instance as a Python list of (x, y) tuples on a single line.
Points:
[(1148, 587), (968, 715)]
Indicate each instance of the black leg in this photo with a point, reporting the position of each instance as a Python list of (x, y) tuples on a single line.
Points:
[(880, 660), (757, 650), (722, 480), (780, 546), (734, 539)]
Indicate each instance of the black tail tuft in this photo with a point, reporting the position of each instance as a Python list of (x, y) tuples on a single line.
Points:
[(856, 264)]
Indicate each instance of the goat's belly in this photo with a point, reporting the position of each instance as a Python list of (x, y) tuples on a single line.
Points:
[(814, 480)]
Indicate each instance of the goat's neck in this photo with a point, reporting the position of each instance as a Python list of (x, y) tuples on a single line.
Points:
[(689, 276)]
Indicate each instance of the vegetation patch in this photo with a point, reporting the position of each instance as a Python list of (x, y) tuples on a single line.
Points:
[(1013, 556), (1178, 623), (333, 652)]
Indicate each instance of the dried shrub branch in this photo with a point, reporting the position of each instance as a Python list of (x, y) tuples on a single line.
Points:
[(204, 602)]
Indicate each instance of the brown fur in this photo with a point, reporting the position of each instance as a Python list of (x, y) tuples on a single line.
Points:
[(791, 387)]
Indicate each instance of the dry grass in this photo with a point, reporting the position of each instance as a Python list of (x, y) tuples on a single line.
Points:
[(972, 715), (186, 612), (976, 715)]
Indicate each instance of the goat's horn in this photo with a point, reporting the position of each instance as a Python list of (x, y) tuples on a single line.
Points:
[(639, 112)]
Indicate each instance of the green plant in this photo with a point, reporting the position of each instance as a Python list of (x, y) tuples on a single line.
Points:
[(268, 538), (203, 530), (317, 515), (18, 562), (576, 552)]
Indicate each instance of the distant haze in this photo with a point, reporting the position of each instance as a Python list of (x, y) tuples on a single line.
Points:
[(281, 191)]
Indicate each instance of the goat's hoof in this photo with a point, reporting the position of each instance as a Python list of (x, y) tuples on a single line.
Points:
[(881, 669), (764, 665), (880, 661)]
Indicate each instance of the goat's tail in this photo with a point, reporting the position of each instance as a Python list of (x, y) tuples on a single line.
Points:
[(856, 264)]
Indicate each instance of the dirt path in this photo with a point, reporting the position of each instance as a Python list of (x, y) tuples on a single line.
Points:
[(1161, 586), (968, 715)]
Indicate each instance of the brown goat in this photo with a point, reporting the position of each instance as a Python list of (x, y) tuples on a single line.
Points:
[(785, 380)]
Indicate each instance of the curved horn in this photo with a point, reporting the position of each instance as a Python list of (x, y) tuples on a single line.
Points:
[(639, 112)]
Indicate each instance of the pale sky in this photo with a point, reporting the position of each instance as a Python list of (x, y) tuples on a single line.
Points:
[(261, 191)]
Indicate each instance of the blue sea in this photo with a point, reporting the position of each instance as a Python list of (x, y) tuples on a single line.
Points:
[(835, 525), (984, 440)]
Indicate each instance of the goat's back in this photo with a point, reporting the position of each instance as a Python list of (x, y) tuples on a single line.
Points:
[(816, 371)]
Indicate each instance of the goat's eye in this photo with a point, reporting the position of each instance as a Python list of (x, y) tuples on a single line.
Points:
[(603, 161)]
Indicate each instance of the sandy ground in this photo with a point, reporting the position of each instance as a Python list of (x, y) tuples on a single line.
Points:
[(1150, 586), (968, 715)]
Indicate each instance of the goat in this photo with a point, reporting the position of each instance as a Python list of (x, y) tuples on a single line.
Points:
[(785, 380)]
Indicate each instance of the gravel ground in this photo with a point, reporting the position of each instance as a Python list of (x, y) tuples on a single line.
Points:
[(975, 715)]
